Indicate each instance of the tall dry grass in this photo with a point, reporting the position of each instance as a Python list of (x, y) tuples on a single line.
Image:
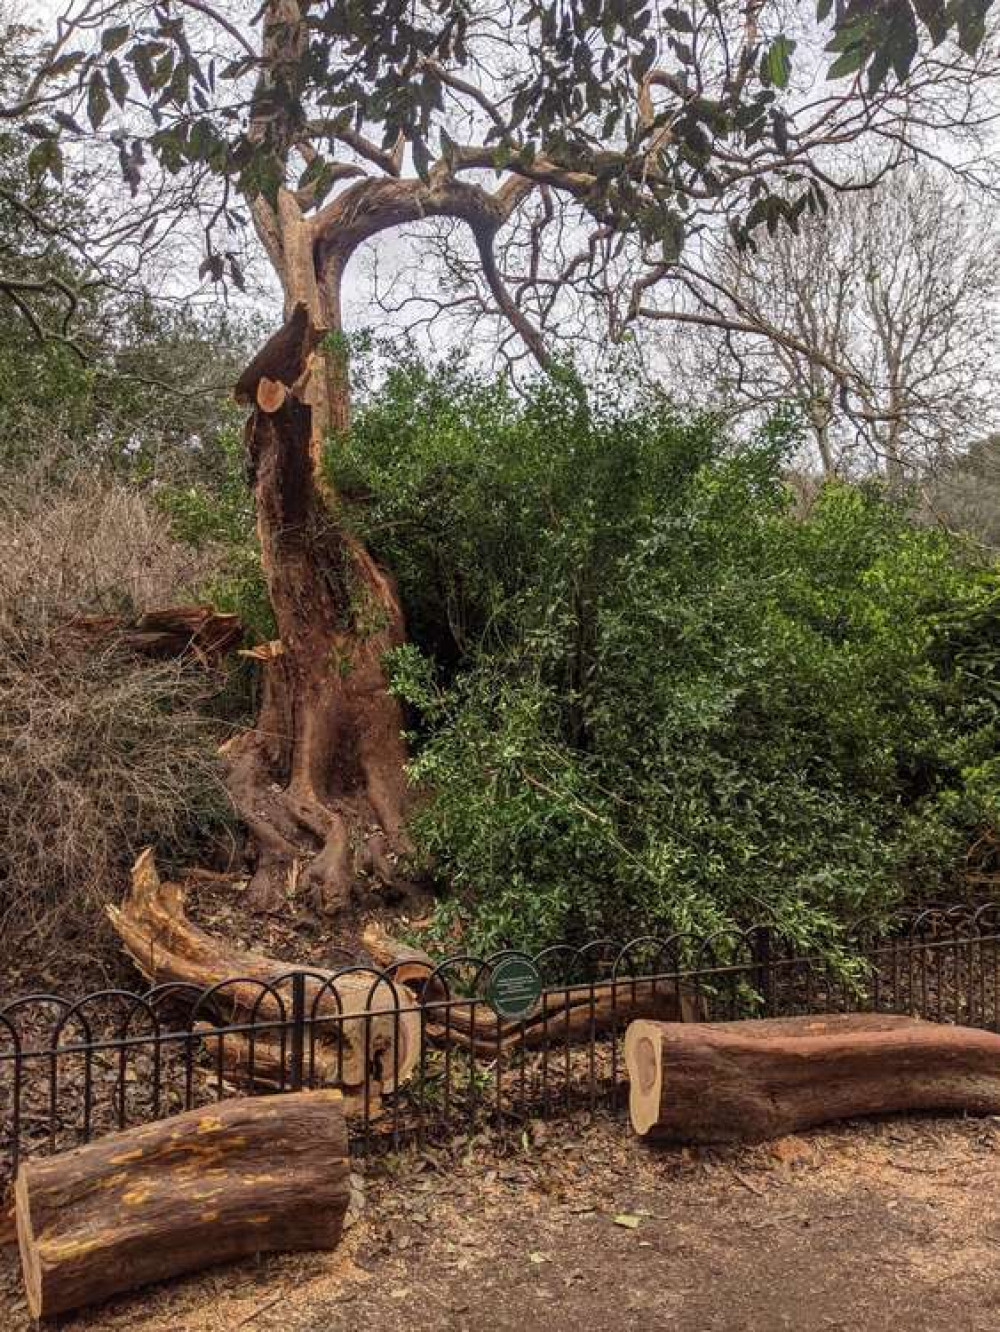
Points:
[(100, 751)]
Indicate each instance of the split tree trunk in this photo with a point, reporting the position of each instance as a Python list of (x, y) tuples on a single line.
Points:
[(320, 780), (367, 1044), (729, 1081), (205, 1187)]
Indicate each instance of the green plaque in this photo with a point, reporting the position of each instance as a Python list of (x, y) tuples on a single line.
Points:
[(515, 987)]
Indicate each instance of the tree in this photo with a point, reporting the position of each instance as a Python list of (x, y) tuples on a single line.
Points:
[(878, 321), (336, 122)]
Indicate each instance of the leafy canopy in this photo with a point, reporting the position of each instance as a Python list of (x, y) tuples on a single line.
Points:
[(562, 93)]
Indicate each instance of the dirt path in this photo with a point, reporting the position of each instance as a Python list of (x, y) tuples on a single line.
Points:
[(893, 1225)]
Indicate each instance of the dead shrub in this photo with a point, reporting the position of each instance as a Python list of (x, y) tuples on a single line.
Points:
[(100, 751)]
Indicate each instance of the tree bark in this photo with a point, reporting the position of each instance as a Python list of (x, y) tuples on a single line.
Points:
[(204, 1187), (320, 780), (746, 1081), (368, 1044)]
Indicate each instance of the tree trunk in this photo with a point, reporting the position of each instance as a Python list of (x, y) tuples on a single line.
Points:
[(204, 1187), (320, 780), (361, 1039), (730, 1081)]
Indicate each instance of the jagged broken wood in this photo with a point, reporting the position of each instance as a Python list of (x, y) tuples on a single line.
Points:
[(320, 779), (367, 1035), (733, 1081), (230, 1180), (175, 631)]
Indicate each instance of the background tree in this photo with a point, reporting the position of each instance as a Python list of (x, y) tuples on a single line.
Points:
[(879, 321)]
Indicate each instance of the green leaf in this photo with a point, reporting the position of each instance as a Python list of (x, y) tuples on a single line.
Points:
[(933, 15), (64, 63), (112, 38), (98, 103), (969, 16), (778, 61), (672, 237), (46, 159), (849, 62), (902, 41), (421, 156), (117, 81)]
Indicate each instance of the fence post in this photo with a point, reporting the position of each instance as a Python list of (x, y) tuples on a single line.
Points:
[(298, 1030), (763, 969)]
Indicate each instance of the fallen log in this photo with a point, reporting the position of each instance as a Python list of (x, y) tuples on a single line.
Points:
[(561, 1017), (747, 1081), (573, 1014), (175, 631), (205, 1187), (408, 965), (364, 1033), (262, 1065)]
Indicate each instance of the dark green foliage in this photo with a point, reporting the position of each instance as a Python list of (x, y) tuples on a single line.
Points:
[(648, 696)]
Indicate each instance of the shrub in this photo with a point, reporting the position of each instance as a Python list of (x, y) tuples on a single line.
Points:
[(647, 695)]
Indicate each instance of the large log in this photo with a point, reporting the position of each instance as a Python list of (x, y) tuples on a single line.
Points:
[(204, 1187), (562, 1017), (366, 1031), (730, 1081)]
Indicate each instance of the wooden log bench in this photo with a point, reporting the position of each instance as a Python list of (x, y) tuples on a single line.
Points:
[(732, 1081), (204, 1187)]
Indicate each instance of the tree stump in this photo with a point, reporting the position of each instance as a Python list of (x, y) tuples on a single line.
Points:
[(233, 1179), (732, 1081)]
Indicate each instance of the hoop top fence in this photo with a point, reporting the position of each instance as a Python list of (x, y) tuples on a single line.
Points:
[(430, 1057)]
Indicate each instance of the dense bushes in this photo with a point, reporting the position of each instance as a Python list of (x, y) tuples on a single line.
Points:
[(645, 693)]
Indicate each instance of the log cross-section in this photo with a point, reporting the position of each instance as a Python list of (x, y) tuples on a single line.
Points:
[(205, 1187), (730, 1081)]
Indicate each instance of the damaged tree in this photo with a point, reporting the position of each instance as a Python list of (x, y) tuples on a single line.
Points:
[(320, 780), (364, 1035)]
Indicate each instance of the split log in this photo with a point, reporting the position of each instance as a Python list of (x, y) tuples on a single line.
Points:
[(747, 1081), (262, 1065), (176, 631), (205, 1187), (368, 1041)]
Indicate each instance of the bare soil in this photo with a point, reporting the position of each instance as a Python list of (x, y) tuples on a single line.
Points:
[(579, 1227)]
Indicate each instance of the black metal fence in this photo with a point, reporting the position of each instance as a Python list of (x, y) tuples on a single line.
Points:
[(430, 1056)]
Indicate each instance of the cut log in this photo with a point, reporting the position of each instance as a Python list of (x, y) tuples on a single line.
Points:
[(262, 1066), (563, 1016), (732, 1081), (410, 966), (370, 1041), (238, 1178)]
